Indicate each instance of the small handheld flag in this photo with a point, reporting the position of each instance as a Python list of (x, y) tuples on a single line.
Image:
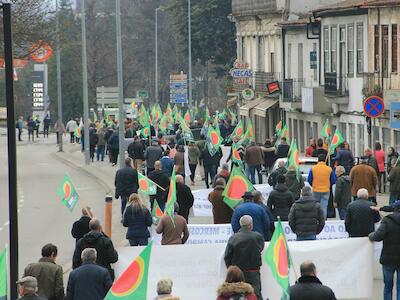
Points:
[(214, 140), (157, 213), (146, 185), (337, 140), (171, 198), (326, 130), (68, 193), (235, 188)]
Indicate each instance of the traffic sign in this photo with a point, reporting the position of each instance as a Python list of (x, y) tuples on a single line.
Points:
[(178, 88), (395, 115), (374, 107), (143, 94)]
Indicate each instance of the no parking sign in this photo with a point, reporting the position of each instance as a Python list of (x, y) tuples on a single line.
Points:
[(374, 106)]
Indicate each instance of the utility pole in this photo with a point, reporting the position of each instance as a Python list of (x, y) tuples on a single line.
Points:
[(190, 54), (121, 133), (12, 151), (156, 70), (85, 87), (59, 95)]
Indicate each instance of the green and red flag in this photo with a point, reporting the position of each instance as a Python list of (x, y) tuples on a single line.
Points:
[(187, 117), (232, 116), (278, 128), (337, 139), (278, 259), (187, 132), (94, 117), (235, 188), (146, 185), (145, 131), (206, 117), (68, 193), (326, 130), (171, 198), (236, 158), (78, 132), (294, 156), (168, 110), (214, 140), (249, 136), (163, 126), (284, 132), (157, 213), (3, 275), (132, 284), (238, 132)]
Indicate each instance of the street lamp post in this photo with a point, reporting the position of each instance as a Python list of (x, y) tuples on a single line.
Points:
[(59, 95), (190, 54), (156, 66)]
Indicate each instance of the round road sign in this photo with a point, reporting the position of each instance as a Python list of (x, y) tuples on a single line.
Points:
[(374, 106)]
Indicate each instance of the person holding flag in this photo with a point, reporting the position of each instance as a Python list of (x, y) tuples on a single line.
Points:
[(174, 229)]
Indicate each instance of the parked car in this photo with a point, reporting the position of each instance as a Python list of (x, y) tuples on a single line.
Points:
[(306, 163)]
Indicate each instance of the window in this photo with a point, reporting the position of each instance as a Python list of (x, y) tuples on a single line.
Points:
[(261, 65), (243, 49), (350, 49), (343, 131), (352, 138), (360, 141), (376, 47), (315, 70), (272, 62), (326, 49), (385, 50), (300, 59), (289, 61), (333, 49), (360, 48), (302, 142), (394, 48), (385, 138)]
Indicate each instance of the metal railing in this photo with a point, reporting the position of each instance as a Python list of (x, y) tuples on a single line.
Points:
[(336, 84), (292, 89), (263, 78)]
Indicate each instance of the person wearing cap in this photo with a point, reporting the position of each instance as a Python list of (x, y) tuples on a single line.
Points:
[(363, 176), (244, 250), (48, 274), (389, 232), (260, 219), (27, 287)]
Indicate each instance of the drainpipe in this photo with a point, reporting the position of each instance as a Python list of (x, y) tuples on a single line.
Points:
[(283, 71)]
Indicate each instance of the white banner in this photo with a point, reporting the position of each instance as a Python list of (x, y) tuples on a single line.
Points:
[(198, 270)]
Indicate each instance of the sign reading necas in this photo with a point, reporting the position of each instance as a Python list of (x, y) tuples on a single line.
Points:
[(241, 73)]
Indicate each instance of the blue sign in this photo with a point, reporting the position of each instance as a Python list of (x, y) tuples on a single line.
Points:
[(178, 88), (374, 107), (395, 115)]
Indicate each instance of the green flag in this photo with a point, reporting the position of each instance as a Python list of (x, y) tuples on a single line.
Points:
[(157, 213), (337, 140), (326, 130), (146, 185), (171, 198), (235, 188), (145, 131), (3, 274), (214, 140), (68, 193), (132, 284)]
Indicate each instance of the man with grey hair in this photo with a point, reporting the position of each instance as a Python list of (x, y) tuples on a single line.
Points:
[(342, 195), (164, 290), (244, 250), (28, 288), (306, 217), (360, 218), (95, 238), (281, 170), (89, 281)]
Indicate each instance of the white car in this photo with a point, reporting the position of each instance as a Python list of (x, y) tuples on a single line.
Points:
[(306, 163)]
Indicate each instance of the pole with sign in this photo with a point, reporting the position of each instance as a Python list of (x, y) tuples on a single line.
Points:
[(374, 107)]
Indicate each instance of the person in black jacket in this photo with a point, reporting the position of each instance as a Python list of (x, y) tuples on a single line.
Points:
[(280, 200), (159, 177), (344, 158), (137, 218), (136, 152), (309, 286), (81, 226), (389, 232), (89, 281), (95, 238), (93, 139), (210, 164), (126, 183), (113, 147), (283, 148)]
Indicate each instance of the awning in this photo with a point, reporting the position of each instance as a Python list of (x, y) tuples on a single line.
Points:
[(232, 101), (245, 109), (262, 108)]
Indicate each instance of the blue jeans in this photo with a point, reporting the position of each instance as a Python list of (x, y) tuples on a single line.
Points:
[(342, 213), (388, 274), (100, 152), (139, 242), (323, 199), (393, 197), (310, 237), (251, 174)]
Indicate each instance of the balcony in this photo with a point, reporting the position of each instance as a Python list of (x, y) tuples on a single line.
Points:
[(336, 88), (262, 78), (292, 89), (253, 7)]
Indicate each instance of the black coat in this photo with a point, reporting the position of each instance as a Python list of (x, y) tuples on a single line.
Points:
[(282, 150), (280, 201), (88, 282), (360, 218), (209, 160), (161, 178), (310, 288), (137, 223), (306, 217), (184, 197), (389, 233), (136, 150), (126, 182), (345, 158), (106, 254), (80, 228)]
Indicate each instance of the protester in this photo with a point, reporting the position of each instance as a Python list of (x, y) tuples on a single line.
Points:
[(81, 226), (95, 238), (320, 150), (137, 218), (222, 213), (210, 164), (283, 148), (37, 125), (164, 290), (151, 155), (321, 178), (48, 274), (194, 156), (159, 177), (310, 149), (31, 124), (173, 233), (235, 286), (380, 160), (308, 286), (306, 217), (126, 183), (363, 176), (101, 143), (344, 158), (113, 147), (89, 281), (27, 287), (179, 160), (46, 125), (223, 173), (391, 159), (389, 232), (281, 170), (167, 163), (93, 139), (371, 160), (280, 200), (260, 220), (20, 126), (254, 158), (59, 129), (136, 152), (342, 195), (294, 182), (360, 218), (71, 127), (394, 180), (244, 250), (269, 155), (259, 199)]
